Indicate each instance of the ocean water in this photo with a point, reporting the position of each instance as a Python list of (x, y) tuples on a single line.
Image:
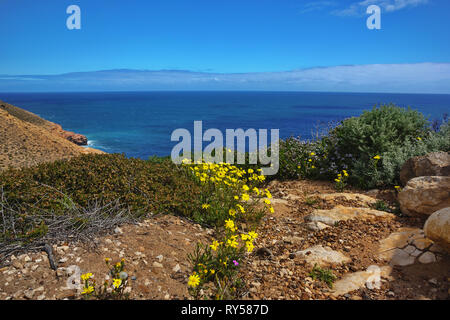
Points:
[(140, 124)]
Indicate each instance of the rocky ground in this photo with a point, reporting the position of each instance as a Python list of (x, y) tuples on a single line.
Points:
[(373, 254), (355, 243)]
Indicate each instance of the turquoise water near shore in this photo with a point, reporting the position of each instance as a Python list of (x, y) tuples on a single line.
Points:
[(140, 124)]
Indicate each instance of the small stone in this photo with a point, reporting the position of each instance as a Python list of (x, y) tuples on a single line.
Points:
[(401, 258), (160, 258), (390, 293), (60, 272), (409, 249), (118, 230), (39, 289), (427, 257), (433, 281), (316, 226), (177, 268), (16, 264), (28, 294), (157, 265)]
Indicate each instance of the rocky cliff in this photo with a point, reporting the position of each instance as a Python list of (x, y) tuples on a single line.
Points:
[(26, 139)]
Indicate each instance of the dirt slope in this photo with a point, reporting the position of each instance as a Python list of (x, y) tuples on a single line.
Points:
[(26, 139)]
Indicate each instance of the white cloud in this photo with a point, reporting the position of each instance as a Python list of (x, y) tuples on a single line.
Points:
[(359, 8), (393, 78), (317, 6)]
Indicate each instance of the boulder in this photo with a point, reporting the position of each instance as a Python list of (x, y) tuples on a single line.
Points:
[(361, 199), (425, 195), (432, 164), (322, 256), (437, 228), (370, 278), (76, 138), (340, 213)]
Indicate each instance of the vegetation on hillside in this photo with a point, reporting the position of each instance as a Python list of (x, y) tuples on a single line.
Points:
[(371, 148)]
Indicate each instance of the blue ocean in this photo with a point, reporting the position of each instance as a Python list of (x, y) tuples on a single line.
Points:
[(140, 124)]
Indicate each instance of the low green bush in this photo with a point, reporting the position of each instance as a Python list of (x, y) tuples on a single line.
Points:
[(68, 186), (372, 148)]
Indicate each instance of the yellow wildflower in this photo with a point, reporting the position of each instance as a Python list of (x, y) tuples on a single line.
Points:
[(88, 290), (86, 276), (194, 280), (232, 243), (214, 245), (253, 235), (117, 283), (229, 224)]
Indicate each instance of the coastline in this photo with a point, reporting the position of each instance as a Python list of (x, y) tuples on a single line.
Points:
[(27, 139)]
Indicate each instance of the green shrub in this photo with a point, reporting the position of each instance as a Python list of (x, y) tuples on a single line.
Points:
[(378, 131), (68, 186), (142, 186), (389, 133)]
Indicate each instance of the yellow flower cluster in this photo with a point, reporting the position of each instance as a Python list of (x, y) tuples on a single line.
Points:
[(339, 176), (86, 276), (240, 185), (222, 173)]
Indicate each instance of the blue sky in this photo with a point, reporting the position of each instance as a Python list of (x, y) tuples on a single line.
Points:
[(211, 36)]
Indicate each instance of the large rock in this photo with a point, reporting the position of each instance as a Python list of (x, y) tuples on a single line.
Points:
[(425, 195), (361, 199), (432, 164), (76, 138), (407, 246), (370, 278), (322, 256), (341, 213), (437, 228)]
